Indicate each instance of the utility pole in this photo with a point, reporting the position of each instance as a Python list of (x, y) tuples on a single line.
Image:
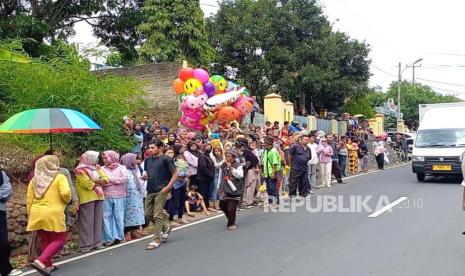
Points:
[(399, 83), (413, 68)]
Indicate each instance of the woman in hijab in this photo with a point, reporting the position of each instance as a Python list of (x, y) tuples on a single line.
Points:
[(218, 160), (205, 175), (115, 198), (48, 194), (134, 210), (192, 158), (89, 181)]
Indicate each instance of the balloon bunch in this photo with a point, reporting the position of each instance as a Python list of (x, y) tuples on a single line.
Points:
[(206, 100)]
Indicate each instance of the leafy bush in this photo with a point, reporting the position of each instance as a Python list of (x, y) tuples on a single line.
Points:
[(64, 84)]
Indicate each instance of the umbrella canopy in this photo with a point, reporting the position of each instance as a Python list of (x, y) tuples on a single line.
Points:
[(48, 120)]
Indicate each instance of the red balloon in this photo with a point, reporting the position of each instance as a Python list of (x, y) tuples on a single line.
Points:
[(186, 73)]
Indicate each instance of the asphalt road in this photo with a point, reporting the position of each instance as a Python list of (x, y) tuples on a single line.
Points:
[(421, 236)]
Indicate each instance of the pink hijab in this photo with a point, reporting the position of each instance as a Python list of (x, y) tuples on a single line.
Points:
[(129, 161), (88, 165), (113, 158)]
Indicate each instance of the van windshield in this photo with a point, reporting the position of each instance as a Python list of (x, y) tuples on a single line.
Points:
[(441, 138)]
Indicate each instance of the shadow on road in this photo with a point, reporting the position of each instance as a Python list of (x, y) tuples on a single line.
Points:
[(441, 180)]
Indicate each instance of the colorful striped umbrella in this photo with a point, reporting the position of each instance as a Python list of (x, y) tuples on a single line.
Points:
[(48, 120)]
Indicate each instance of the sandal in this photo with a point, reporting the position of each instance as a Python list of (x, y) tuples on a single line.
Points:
[(52, 268), (153, 245), (42, 270)]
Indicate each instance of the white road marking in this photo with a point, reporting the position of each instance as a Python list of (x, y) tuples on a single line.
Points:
[(123, 244), (387, 207), (179, 228)]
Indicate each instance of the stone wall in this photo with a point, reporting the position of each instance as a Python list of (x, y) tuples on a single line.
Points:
[(157, 79)]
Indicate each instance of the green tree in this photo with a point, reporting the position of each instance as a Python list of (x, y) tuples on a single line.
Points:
[(46, 19), (377, 98), (59, 83), (390, 122), (117, 28), (288, 47), (414, 95), (360, 106), (174, 30)]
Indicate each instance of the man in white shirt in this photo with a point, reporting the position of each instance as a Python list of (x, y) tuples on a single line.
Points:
[(313, 163)]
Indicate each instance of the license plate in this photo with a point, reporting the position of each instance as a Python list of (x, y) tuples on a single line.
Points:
[(442, 168)]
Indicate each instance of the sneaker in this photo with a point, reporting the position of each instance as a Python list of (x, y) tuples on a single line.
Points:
[(312, 192), (232, 227), (329, 186), (15, 272)]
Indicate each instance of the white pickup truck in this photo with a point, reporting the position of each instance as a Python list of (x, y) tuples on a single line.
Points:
[(440, 140)]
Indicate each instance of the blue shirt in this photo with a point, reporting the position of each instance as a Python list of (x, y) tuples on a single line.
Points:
[(5, 191)]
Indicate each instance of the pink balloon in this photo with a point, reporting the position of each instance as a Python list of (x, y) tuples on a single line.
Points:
[(201, 75)]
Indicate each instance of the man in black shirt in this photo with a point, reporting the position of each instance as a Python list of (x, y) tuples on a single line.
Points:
[(161, 174), (251, 172), (299, 155)]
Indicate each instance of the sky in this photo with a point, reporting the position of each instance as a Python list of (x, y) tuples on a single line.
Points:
[(397, 31)]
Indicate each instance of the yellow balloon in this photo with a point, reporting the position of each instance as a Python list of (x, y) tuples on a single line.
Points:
[(191, 85)]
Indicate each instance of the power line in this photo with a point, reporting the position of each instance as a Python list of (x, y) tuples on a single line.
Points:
[(445, 54), (446, 90), (438, 66), (442, 82), (385, 72)]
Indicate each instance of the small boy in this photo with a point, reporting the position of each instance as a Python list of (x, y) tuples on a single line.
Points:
[(195, 201)]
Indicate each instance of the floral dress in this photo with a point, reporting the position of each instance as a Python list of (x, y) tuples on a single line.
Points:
[(353, 158), (134, 213)]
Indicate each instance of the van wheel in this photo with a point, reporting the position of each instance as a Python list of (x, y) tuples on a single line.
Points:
[(421, 177)]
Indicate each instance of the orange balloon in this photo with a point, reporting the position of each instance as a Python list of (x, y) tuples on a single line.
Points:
[(227, 114), (178, 86)]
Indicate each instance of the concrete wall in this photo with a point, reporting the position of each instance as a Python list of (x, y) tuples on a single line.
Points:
[(157, 79)]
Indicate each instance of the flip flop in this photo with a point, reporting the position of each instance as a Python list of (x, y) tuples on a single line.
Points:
[(152, 246), (42, 271)]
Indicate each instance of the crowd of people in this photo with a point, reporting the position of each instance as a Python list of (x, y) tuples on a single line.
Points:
[(175, 173)]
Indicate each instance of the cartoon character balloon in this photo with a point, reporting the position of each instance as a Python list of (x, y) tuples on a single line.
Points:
[(191, 117), (227, 114), (244, 105), (219, 82), (195, 102), (191, 86)]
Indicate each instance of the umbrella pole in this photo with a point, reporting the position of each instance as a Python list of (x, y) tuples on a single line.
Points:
[(50, 140)]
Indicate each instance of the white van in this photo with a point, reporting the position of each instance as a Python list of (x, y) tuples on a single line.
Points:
[(440, 140)]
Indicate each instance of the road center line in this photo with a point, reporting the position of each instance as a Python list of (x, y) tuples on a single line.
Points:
[(387, 207)]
